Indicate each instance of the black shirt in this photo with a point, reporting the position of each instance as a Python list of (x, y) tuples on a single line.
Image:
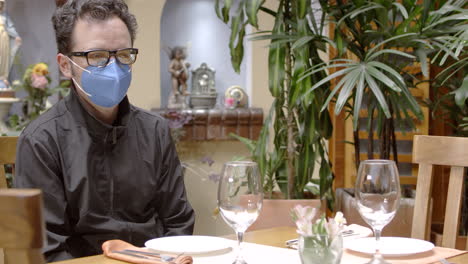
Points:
[(103, 182)]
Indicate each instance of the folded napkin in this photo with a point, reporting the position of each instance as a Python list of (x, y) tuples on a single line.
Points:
[(118, 245)]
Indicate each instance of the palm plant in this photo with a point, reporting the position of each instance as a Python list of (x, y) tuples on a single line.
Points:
[(287, 157), (377, 41), (452, 55)]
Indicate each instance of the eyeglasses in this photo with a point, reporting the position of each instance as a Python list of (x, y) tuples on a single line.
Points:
[(100, 58)]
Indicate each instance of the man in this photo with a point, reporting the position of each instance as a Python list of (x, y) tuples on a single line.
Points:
[(108, 170)]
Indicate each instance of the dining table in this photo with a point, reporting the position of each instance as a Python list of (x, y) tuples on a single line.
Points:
[(274, 237)]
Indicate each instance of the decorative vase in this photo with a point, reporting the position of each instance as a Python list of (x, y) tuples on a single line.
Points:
[(318, 249)]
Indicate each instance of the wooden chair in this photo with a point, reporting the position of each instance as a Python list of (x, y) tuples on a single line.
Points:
[(7, 156), (22, 226), (438, 150)]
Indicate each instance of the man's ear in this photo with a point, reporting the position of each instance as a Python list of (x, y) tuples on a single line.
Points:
[(64, 65)]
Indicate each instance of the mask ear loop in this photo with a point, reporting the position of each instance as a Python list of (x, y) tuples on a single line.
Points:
[(75, 82)]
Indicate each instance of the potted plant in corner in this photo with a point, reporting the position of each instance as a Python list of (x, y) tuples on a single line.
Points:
[(292, 143), (378, 44)]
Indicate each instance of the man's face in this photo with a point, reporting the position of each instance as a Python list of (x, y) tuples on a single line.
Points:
[(111, 34)]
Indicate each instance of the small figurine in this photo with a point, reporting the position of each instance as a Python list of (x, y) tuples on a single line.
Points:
[(179, 71)]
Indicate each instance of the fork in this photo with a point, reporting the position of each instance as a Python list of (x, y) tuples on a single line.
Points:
[(344, 233)]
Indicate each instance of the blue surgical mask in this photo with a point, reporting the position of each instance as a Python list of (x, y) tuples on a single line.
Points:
[(105, 86)]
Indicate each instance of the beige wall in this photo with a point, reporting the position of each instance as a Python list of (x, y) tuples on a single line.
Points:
[(144, 92)]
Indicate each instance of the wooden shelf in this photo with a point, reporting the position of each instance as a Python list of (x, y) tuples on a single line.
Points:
[(218, 124)]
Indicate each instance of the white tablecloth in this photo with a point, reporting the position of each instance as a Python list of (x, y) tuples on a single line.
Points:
[(253, 254), (260, 254)]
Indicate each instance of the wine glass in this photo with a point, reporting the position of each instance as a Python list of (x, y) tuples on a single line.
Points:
[(240, 198), (377, 194)]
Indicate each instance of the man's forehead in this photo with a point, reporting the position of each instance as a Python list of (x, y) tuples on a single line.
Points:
[(87, 29)]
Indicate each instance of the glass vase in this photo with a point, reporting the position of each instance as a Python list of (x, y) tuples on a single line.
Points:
[(318, 249)]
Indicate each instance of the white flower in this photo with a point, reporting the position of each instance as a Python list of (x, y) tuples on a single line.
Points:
[(304, 216), (339, 219)]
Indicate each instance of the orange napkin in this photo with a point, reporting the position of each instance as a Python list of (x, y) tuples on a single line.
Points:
[(116, 245)]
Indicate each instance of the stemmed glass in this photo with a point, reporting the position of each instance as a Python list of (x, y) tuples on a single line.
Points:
[(240, 198), (377, 194)]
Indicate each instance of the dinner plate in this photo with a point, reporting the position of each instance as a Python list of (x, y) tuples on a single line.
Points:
[(391, 246), (189, 244)]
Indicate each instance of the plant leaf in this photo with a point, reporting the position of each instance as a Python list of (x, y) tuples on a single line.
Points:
[(402, 9), (225, 10), (378, 94), (386, 51), (373, 49), (301, 42), (236, 40), (461, 94), (302, 6), (359, 11), (394, 74), (251, 8), (358, 100), (382, 78), (350, 83), (422, 57), (276, 59), (328, 78)]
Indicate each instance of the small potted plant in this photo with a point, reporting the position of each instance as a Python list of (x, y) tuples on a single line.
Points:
[(320, 240)]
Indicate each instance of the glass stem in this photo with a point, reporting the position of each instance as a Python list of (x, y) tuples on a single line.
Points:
[(377, 233), (240, 239)]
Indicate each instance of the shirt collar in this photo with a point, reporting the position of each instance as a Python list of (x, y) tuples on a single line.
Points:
[(94, 125)]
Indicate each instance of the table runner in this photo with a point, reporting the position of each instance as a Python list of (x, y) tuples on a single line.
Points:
[(256, 253)]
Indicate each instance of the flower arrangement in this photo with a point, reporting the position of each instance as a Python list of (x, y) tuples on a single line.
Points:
[(36, 82), (320, 241), (303, 216)]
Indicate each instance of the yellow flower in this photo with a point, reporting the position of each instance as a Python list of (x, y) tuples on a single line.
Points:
[(41, 69)]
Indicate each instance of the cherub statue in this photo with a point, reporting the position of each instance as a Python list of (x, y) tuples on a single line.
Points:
[(179, 70)]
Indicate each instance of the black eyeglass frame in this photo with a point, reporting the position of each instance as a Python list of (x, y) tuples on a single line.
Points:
[(111, 53)]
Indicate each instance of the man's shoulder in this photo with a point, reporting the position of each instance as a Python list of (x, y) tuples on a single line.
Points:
[(149, 117)]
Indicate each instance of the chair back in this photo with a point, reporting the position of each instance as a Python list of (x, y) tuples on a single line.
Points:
[(437, 150), (7, 157), (22, 226)]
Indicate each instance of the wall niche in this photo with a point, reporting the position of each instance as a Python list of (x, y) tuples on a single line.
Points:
[(194, 25)]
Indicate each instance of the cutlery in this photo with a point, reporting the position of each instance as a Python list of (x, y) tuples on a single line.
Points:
[(147, 255), (130, 254), (345, 233), (154, 254)]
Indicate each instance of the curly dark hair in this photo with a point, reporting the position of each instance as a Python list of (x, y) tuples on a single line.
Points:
[(65, 17)]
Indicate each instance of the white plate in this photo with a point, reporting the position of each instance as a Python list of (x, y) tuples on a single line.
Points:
[(391, 246), (189, 244)]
